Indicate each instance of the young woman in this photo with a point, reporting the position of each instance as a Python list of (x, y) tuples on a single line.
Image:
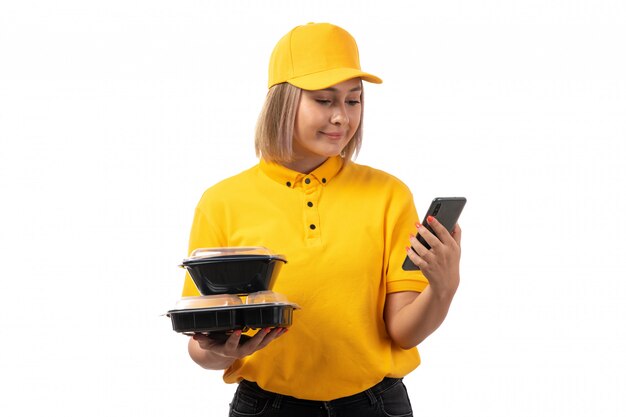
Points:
[(345, 230)]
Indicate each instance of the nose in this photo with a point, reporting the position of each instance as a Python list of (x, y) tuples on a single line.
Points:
[(340, 115)]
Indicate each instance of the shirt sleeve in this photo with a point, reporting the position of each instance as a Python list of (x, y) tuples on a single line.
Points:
[(206, 232), (400, 222)]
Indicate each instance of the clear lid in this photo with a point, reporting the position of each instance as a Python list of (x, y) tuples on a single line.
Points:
[(207, 253), (206, 301), (263, 297)]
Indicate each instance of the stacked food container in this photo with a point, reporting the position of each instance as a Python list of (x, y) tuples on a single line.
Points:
[(235, 284)]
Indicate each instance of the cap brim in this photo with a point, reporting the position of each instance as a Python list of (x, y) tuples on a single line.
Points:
[(325, 79)]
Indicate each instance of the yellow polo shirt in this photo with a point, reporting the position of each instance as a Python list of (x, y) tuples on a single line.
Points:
[(343, 229)]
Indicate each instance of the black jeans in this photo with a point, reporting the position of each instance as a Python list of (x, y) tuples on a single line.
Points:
[(388, 398)]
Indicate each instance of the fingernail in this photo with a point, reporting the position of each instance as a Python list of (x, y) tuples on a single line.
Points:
[(237, 332), (418, 225), (430, 219), (267, 330), (407, 249), (411, 236)]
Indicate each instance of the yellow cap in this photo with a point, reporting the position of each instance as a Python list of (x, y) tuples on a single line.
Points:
[(316, 56)]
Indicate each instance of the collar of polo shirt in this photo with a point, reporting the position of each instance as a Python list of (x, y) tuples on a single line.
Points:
[(283, 175)]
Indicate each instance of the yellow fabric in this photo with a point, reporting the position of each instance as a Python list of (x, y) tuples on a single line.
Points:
[(316, 56), (339, 272)]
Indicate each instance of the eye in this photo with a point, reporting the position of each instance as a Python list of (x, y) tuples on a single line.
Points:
[(323, 101), (354, 102)]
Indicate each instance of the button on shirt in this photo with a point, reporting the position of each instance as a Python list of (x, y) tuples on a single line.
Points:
[(343, 229)]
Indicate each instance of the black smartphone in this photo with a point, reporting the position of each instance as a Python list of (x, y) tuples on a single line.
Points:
[(447, 211)]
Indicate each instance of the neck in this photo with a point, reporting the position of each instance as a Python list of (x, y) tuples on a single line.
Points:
[(305, 166)]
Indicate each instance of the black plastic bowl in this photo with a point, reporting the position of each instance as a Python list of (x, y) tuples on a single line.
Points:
[(234, 274), (242, 317)]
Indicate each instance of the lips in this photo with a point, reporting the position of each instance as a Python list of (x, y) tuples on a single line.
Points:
[(334, 135)]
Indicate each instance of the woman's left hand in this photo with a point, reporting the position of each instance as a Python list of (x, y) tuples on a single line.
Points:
[(440, 264)]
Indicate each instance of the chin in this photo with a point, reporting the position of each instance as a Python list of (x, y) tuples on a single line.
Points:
[(334, 151)]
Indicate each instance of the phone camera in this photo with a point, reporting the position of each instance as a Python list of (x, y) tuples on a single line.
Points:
[(436, 209)]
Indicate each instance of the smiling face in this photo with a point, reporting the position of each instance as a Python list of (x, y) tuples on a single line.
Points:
[(325, 122)]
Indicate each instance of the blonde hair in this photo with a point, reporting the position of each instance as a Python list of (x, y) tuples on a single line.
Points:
[(274, 130)]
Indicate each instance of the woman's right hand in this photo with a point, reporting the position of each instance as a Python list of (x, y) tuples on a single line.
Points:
[(213, 353)]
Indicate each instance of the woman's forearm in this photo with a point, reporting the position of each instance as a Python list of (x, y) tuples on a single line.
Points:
[(409, 325), (206, 358)]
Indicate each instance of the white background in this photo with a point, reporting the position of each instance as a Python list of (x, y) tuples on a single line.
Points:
[(115, 116)]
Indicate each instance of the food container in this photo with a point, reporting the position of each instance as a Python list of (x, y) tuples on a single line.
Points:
[(266, 297), (208, 301), (222, 314), (228, 318), (234, 270)]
